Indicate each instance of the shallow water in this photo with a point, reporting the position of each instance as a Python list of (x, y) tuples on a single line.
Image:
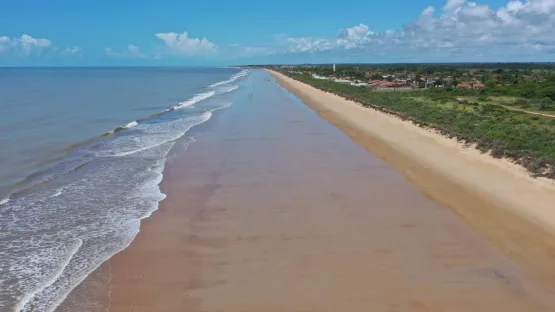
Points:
[(82, 155)]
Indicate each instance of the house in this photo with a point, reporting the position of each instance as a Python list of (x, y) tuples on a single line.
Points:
[(384, 85), (463, 85), (478, 85)]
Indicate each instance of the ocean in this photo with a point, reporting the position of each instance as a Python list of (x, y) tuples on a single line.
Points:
[(82, 154)]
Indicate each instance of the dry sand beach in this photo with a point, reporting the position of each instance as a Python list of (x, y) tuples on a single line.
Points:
[(275, 209)]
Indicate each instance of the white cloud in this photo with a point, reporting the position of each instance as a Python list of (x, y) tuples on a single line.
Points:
[(514, 6), (72, 50), (309, 44), (349, 38), (460, 28), (354, 37), (28, 43), (24, 45), (5, 43), (131, 51), (182, 44), (476, 11), (453, 5)]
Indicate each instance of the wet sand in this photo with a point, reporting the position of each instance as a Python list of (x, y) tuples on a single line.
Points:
[(275, 209), (495, 197)]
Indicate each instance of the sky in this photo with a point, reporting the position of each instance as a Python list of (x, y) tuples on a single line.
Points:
[(222, 32)]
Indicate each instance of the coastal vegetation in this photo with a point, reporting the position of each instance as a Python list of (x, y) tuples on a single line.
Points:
[(496, 119)]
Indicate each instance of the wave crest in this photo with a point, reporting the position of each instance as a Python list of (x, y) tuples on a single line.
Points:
[(240, 74), (197, 98)]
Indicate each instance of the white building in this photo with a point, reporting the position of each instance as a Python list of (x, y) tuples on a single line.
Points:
[(342, 80), (319, 77), (359, 84)]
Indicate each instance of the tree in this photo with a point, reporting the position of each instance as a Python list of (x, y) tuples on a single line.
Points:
[(544, 103), (528, 93), (492, 83), (548, 92), (418, 78)]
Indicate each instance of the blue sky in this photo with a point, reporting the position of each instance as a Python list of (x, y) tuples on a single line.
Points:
[(210, 32)]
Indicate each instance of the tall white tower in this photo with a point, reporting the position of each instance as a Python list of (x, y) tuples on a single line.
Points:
[(334, 68)]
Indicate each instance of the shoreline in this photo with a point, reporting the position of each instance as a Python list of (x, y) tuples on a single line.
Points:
[(242, 230), (519, 207), (93, 294)]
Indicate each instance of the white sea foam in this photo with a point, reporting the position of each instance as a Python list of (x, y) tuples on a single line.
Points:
[(58, 193), (135, 201), (50, 280), (131, 124), (5, 200), (153, 135), (228, 89), (126, 126), (60, 247), (226, 105), (240, 74), (53, 268), (203, 96), (197, 98)]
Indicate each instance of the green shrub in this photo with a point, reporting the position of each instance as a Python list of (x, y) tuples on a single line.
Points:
[(544, 103), (487, 108), (521, 102)]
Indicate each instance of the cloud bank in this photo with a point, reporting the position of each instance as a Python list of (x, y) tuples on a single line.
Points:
[(131, 51), (182, 44), (460, 27), (460, 30), (26, 45)]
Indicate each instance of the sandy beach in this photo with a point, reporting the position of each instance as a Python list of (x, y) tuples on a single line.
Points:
[(275, 208), (495, 197)]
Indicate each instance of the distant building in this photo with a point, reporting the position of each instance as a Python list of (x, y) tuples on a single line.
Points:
[(359, 84), (319, 77), (342, 81), (334, 68)]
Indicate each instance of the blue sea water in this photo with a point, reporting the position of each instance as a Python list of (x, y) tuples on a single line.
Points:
[(82, 152)]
